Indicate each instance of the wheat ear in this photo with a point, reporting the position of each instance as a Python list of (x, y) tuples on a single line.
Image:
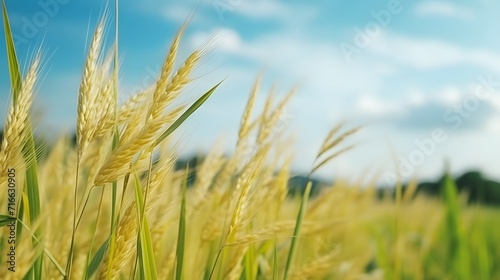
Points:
[(166, 71), (86, 92), (17, 123), (118, 163), (246, 119), (317, 267), (124, 246)]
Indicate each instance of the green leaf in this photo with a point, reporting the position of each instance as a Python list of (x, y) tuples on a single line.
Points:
[(457, 242), (20, 213), (296, 232), (186, 114), (5, 220), (14, 71), (145, 245), (275, 260), (182, 229), (51, 257), (250, 263), (33, 194), (97, 259)]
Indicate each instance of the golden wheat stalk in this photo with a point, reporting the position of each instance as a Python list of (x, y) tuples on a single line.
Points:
[(318, 267), (331, 142), (166, 71), (124, 246), (131, 106), (105, 117), (235, 267), (87, 91), (119, 162), (243, 185), (265, 233), (17, 122), (131, 115), (246, 119), (153, 106), (211, 165), (174, 87), (270, 124)]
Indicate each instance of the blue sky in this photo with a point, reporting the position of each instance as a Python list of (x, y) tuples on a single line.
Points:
[(421, 74)]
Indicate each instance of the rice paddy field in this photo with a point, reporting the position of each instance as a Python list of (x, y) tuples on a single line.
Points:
[(113, 205)]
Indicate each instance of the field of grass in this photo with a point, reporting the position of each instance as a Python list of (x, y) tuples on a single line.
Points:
[(113, 207)]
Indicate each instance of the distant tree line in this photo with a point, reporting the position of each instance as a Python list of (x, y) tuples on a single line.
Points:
[(477, 188)]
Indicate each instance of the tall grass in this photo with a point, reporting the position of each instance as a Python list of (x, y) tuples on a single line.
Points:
[(113, 206)]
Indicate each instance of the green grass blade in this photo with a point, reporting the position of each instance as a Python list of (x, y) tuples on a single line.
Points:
[(209, 263), (29, 149), (5, 220), (97, 259), (145, 245), (250, 263), (382, 256), (186, 114), (182, 229), (275, 260), (20, 213), (45, 251), (480, 247), (457, 242), (296, 232), (54, 262), (14, 70), (91, 246), (34, 201)]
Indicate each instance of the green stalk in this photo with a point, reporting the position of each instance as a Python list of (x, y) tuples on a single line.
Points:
[(181, 238), (69, 262), (186, 114), (32, 189), (250, 259), (275, 260), (145, 245), (296, 232), (458, 247), (94, 231)]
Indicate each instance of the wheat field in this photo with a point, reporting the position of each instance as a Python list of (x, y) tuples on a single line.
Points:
[(113, 205)]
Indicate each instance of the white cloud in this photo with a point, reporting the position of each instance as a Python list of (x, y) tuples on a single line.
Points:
[(333, 88), (495, 101), (429, 54), (317, 66), (176, 13), (375, 106), (416, 97), (283, 11), (261, 8), (226, 39), (493, 125), (216, 11), (450, 95), (443, 8)]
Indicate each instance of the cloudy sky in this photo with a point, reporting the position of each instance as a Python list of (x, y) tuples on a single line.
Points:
[(421, 75)]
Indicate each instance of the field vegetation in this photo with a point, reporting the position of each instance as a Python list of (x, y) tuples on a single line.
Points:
[(114, 207)]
